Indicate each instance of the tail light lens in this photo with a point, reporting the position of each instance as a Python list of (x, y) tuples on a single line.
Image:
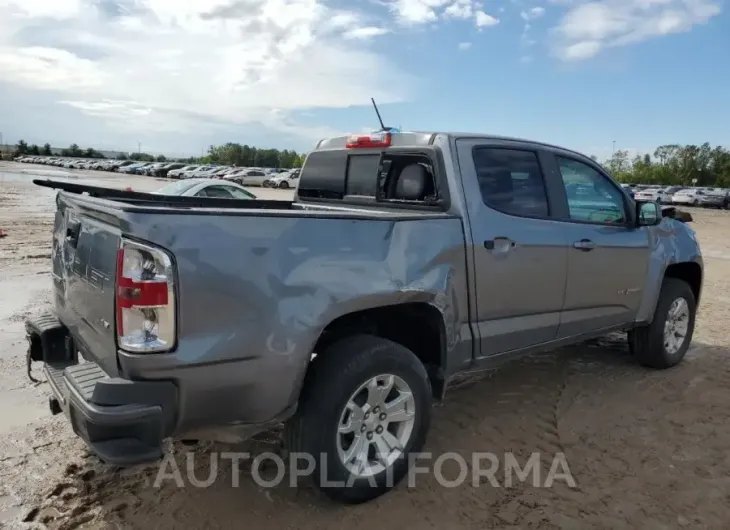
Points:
[(145, 299), (379, 139)]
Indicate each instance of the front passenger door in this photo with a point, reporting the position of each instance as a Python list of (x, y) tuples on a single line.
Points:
[(608, 257)]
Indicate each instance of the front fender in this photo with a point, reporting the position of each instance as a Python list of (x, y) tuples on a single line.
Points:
[(671, 242)]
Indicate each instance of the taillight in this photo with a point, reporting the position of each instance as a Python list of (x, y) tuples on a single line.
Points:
[(380, 139), (145, 299)]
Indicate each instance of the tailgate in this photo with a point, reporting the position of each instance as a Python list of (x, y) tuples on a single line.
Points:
[(84, 255)]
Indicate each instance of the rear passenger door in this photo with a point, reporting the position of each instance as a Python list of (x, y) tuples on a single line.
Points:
[(608, 255), (520, 254)]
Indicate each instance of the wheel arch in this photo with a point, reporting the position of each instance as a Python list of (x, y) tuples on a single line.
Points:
[(689, 272), (418, 326)]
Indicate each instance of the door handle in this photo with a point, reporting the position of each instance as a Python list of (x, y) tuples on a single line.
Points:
[(585, 245), (501, 244)]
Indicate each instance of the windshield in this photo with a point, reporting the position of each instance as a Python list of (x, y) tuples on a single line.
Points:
[(176, 188)]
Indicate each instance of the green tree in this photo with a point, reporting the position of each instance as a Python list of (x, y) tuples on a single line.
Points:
[(21, 148), (161, 158), (675, 164), (142, 157), (46, 151), (34, 150), (248, 156)]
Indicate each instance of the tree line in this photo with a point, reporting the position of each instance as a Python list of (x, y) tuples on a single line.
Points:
[(22, 148), (674, 165), (233, 154), (671, 164), (229, 154)]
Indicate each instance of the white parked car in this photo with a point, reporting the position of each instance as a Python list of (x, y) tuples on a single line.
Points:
[(647, 194), (288, 179), (248, 177), (205, 188), (657, 194), (688, 196), (201, 172), (670, 191), (178, 173)]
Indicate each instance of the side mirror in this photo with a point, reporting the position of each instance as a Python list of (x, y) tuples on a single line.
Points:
[(648, 213)]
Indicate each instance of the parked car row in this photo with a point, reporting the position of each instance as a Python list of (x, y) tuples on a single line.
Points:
[(687, 196), (248, 176)]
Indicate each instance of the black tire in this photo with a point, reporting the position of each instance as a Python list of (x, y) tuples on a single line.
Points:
[(330, 382), (283, 184), (647, 342)]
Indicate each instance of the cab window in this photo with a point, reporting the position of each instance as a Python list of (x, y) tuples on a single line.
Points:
[(592, 198)]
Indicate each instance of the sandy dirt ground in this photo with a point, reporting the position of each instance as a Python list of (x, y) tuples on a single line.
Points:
[(648, 449)]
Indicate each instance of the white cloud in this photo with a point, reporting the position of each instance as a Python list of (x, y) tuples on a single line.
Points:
[(419, 12), (464, 45), (460, 9), (365, 32), (484, 21), (533, 13), (589, 27), (166, 64)]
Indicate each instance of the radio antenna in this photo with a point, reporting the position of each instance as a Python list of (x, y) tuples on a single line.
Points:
[(382, 125)]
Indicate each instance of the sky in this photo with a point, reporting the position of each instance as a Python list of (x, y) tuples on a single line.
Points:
[(175, 76)]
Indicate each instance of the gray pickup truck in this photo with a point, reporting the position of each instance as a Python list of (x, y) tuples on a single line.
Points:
[(404, 262)]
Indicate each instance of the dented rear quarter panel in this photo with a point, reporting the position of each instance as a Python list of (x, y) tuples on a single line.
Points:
[(256, 292)]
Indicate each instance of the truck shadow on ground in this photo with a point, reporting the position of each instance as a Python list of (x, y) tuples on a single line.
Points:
[(636, 441)]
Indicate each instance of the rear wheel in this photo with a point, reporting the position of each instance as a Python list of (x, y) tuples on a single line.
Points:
[(365, 406), (664, 342), (284, 184)]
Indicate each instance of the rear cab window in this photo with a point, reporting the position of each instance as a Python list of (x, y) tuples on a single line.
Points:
[(395, 175), (511, 181)]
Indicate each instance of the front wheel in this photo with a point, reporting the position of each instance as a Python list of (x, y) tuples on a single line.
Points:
[(664, 342), (365, 407)]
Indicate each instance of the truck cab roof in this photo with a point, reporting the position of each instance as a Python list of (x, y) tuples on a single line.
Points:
[(426, 138)]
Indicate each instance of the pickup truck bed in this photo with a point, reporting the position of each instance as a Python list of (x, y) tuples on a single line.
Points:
[(250, 320)]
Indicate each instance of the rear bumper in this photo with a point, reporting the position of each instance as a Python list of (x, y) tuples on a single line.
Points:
[(123, 422)]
